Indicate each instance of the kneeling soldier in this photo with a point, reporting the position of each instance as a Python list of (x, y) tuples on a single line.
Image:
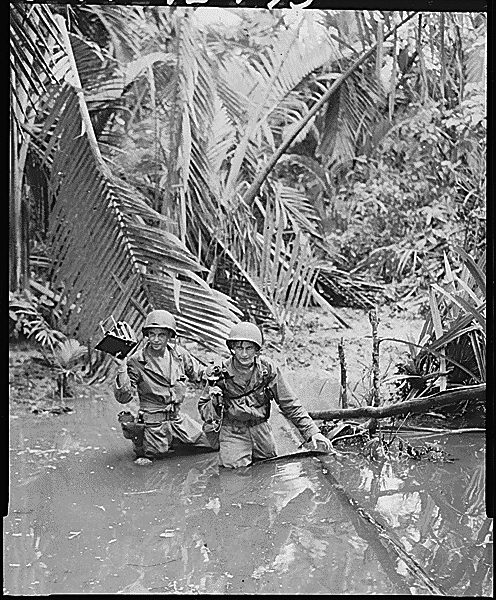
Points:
[(245, 385), (158, 373)]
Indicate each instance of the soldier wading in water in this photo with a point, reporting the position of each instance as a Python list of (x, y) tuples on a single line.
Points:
[(158, 373), (240, 400)]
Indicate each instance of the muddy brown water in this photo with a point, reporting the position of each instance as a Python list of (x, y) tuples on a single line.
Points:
[(83, 518)]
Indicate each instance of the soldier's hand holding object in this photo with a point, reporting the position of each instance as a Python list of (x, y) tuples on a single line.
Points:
[(215, 394), (121, 364)]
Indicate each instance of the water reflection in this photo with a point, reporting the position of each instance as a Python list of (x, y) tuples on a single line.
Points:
[(435, 510), (85, 519)]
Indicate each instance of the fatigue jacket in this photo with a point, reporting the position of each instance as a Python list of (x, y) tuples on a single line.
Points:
[(158, 381), (250, 403)]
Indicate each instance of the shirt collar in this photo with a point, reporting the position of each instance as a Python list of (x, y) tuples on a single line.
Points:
[(231, 369)]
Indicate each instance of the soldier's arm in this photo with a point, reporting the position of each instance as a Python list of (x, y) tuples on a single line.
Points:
[(203, 400), (291, 407), (209, 393), (193, 369), (125, 382)]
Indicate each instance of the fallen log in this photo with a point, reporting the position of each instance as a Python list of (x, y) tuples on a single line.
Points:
[(453, 396)]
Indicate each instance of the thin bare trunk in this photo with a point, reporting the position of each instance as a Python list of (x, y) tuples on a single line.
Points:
[(375, 395), (442, 57), (153, 97), (380, 50), (342, 363), (15, 229), (392, 89), (423, 76), (167, 200), (360, 29)]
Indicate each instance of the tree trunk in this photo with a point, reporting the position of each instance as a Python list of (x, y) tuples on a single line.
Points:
[(466, 393), (16, 242)]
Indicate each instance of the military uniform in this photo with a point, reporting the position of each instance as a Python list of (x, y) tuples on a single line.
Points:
[(160, 382), (245, 433)]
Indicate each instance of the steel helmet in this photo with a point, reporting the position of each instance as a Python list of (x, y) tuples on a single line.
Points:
[(160, 318), (245, 332)]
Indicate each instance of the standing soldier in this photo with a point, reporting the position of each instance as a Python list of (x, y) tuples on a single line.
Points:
[(158, 373), (244, 386)]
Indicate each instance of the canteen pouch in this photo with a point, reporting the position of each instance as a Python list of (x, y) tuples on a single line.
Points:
[(131, 429)]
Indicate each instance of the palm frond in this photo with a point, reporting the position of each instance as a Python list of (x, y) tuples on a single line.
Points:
[(457, 299), (475, 270), (100, 233), (300, 212), (118, 248), (125, 27), (69, 353), (476, 61), (34, 41), (284, 66), (102, 77), (350, 116)]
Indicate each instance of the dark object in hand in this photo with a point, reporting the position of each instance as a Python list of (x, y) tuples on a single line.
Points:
[(119, 340), (215, 376), (131, 429), (125, 417)]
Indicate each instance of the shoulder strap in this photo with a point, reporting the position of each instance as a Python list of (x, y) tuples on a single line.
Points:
[(266, 380)]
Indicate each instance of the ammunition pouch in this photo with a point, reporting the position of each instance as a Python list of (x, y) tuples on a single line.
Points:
[(131, 429)]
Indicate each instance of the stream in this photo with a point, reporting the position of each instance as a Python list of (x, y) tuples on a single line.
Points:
[(84, 519)]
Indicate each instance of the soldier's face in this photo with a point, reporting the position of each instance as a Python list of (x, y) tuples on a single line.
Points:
[(244, 353), (158, 338)]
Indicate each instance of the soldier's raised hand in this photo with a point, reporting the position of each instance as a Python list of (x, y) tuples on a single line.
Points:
[(121, 364)]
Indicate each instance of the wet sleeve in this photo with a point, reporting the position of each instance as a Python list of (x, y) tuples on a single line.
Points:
[(292, 408), (124, 392), (193, 369), (203, 400)]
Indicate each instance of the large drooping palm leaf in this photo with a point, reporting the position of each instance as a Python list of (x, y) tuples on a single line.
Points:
[(109, 256)]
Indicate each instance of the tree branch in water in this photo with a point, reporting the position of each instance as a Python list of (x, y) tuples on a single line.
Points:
[(465, 393)]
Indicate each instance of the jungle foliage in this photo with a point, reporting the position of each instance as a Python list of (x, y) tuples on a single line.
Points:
[(247, 167)]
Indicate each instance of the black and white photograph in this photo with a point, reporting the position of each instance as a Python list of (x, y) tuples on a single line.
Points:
[(247, 299)]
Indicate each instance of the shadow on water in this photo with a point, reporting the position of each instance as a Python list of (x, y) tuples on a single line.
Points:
[(84, 519)]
